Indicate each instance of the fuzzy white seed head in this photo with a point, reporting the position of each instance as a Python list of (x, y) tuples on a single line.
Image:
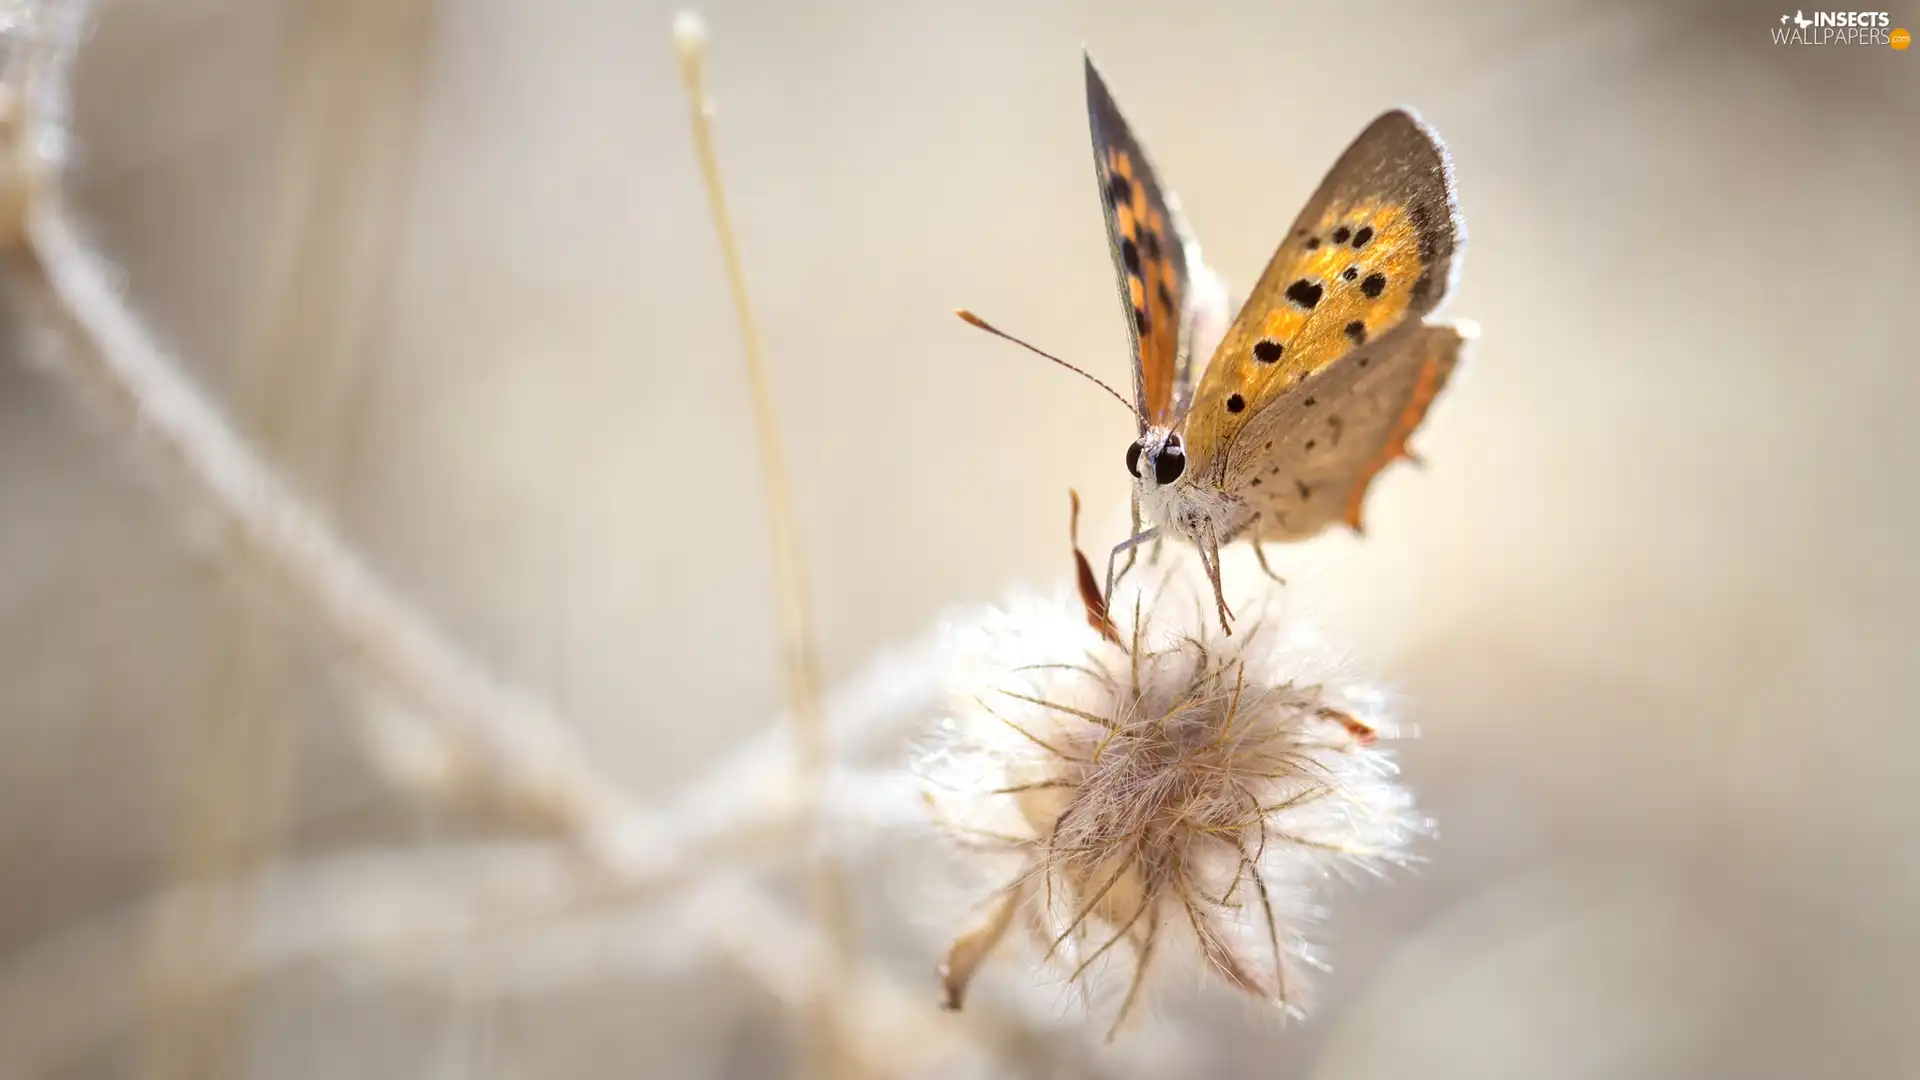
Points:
[(1177, 791)]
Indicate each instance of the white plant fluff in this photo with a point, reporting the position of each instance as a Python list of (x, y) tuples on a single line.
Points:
[(1159, 788)]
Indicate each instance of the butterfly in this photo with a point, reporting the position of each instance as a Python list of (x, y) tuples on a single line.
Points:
[(1325, 373), (1329, 366)]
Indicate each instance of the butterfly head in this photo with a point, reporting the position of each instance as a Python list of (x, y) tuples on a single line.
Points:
[(1156, 459)]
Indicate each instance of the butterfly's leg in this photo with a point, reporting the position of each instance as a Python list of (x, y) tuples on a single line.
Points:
[(1261, 554), (1114, 579), (1210, 558), (1154, 555), (1127, 545)]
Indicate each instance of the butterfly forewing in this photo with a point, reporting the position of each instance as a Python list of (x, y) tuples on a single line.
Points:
[(1154, 255), (1372, 251), (1306, 463)]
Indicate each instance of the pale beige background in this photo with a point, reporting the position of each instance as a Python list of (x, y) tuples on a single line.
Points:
[(1650, 602)]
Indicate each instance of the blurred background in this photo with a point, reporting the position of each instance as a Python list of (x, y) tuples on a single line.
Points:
[(449, 266)]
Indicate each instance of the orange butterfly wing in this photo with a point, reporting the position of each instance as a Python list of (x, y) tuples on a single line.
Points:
[(1374, 249), (1308, 460), (1155, 258)]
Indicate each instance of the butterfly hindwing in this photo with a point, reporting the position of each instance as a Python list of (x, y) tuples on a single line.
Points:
[(1373, 250), (1306, 463), (1154, 256)]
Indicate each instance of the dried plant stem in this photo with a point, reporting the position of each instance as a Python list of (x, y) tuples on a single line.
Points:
[(520, 748), (499, 740), (340, 170), (507, 738), (829, 898), (37, 43), (379, 913), (95, 340)]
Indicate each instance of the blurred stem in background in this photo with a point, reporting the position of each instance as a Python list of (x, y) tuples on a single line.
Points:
[(346, 131), (486, 743), (828, 893)]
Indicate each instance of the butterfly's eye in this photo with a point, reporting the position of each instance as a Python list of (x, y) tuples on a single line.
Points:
[(1171, 462), (1133, 460)]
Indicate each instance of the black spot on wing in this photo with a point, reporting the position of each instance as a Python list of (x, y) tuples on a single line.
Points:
[(1267, 350), (1119, 190), (1357, 330), (1340, 234), (1166, 298), (1349, 274), (1236, 403), (1305, 293), (1361, 237), (1130, 254), (1374, 285)]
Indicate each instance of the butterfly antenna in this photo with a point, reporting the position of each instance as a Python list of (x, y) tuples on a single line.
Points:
[(983, 324)]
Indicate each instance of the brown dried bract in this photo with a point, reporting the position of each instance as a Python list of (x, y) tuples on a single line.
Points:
[(1095, 603)]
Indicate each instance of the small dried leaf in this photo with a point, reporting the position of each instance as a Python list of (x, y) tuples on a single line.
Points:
[(972, 948), (1096, 604), (1362, 733)]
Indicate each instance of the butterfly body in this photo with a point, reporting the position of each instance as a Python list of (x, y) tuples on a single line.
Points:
[(1175, 497), (1328, 367)]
